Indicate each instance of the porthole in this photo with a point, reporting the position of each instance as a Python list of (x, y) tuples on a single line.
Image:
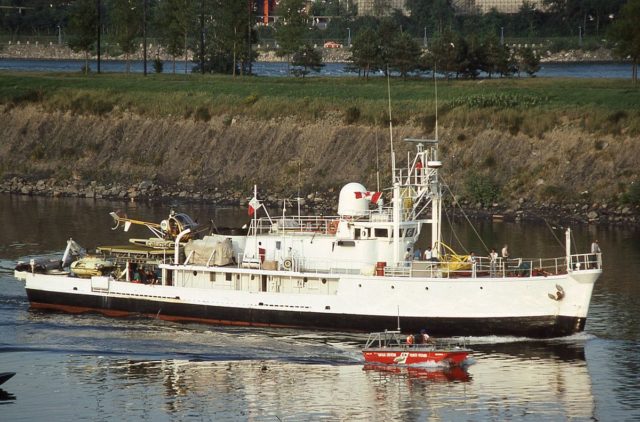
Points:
[(426, 288), (324, 281), (480, 287), (393, 287), (195, 273), (359, 285)]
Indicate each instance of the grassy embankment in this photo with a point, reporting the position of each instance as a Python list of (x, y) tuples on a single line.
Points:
[(531, 106), (541, 139)]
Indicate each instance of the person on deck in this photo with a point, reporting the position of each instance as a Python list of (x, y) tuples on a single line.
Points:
[(408, 257), (417, 255), (493, 260), (595, 249)]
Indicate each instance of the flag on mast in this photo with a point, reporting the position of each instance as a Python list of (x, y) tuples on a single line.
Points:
[(371, 196)]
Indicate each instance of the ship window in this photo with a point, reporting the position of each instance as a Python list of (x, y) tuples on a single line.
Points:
[(381, 232), (229, 276), (278, 243), (195, 273), (346, 243), (212, 277), (409, 232)]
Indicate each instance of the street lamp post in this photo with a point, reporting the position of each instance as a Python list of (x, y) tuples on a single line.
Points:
[(349, 37), (424, 41), (580, 36), (502, 35), (59, 36)]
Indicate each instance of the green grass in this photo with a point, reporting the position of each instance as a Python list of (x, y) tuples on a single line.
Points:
[(532, 105)]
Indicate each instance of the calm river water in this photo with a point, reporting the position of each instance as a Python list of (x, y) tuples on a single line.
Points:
[(89, 367), (558, 70)]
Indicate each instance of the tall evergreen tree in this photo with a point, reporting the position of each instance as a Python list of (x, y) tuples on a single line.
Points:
[(174, 23), (291, 27), (365, 51), (307, 59), (405, 54), (626, 34), (126, 17), (529, 61), (83, 28)]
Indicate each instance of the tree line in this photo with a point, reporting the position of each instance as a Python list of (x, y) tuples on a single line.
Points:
[(223, 34)]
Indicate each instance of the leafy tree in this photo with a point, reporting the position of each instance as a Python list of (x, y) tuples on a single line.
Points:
[(404, 54), (529, 60), (83, 27), (442, 55), (174, 20), (626, 33), (492, 55), (436, 14), (365, 51), (506, 63), (127, 20), (387, 32), (234, 33), (306, 59), (291, 27), (228, 38)]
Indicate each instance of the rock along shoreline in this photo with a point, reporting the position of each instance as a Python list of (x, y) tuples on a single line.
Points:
[(321, 202)]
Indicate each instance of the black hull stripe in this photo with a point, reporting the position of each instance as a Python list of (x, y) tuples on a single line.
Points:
[(537, 327)]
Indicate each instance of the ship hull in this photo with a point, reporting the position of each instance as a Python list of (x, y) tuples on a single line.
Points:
[(541, 326)]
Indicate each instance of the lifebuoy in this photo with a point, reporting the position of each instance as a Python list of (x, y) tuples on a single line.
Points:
[(287, 264), (364, 234)]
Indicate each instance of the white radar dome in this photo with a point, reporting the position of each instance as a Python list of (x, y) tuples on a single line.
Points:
[(352, 201)]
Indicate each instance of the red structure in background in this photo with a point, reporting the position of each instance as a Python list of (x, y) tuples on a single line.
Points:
[(267, 10)]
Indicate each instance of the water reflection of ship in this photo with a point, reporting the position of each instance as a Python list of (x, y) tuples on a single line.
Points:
[(436, 374), (537, 374), (537, 381), (552, 350)]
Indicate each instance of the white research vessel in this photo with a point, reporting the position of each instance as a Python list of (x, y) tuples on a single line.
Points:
[(346, 272)]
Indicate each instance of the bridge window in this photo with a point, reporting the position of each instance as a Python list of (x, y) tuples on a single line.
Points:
[(380, 233)]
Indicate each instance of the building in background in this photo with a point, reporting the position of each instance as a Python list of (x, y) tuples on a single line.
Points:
[(485, 6), (380, 7)]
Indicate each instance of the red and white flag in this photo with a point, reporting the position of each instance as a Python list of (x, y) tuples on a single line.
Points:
[(371, 196), (254, 205)]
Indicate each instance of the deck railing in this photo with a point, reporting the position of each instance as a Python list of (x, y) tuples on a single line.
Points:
[(482, 267)]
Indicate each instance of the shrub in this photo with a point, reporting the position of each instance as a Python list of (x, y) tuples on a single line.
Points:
[(632, 196), (158, 66), (251, 99), (427, 123), (202, 113), (555, 192), (84, 104), (616, 116), (482, 189), (351, 115), (30, 96), (489, 161)]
